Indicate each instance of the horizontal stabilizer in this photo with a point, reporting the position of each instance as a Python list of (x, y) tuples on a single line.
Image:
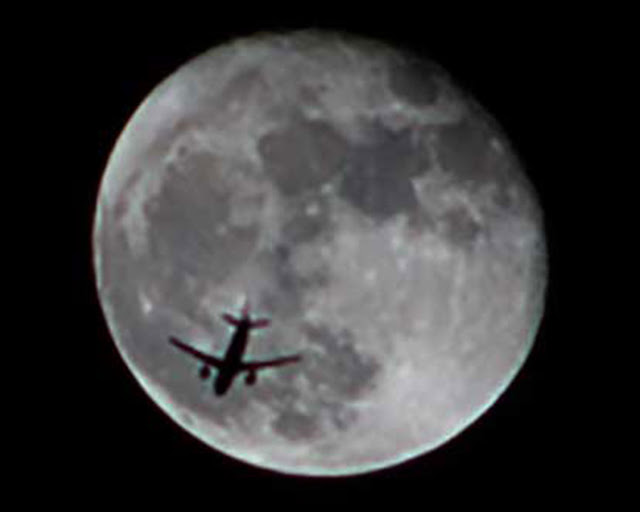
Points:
[(230, 319), (260, 323)]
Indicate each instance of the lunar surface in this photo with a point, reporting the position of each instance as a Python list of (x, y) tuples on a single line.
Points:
[(363, 202)]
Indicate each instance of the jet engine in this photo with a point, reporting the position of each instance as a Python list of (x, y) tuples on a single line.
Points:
[(251, 378), (205, 371)]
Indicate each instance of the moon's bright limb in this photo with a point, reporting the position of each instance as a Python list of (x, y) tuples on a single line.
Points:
[(366, 205)]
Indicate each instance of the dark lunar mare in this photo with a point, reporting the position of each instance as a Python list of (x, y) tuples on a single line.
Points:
[(376, 178), (337, 373)]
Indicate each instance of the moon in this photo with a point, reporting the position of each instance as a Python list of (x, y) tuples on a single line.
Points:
[(366, 204)]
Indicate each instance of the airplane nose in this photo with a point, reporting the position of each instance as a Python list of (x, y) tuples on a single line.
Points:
[(220, 387)]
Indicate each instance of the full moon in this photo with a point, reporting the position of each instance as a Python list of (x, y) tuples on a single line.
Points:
[(359, 198)]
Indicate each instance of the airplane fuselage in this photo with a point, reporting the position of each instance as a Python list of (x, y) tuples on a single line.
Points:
[(232, 362)]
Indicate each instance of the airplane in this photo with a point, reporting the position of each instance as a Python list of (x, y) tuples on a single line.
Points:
[(232, 364)]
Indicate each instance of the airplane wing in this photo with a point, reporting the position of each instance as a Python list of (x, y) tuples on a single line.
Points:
[(258, 365), (205, 358)]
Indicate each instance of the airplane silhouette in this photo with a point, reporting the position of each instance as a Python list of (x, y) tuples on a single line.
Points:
[(232, 364)]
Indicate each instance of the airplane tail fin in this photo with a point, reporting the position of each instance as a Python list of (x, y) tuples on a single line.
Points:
[(258, 323)]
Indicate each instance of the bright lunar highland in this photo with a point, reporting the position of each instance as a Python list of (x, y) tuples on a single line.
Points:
[(363, 202)]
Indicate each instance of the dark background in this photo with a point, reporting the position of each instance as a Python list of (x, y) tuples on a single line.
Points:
[(522, 66)]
